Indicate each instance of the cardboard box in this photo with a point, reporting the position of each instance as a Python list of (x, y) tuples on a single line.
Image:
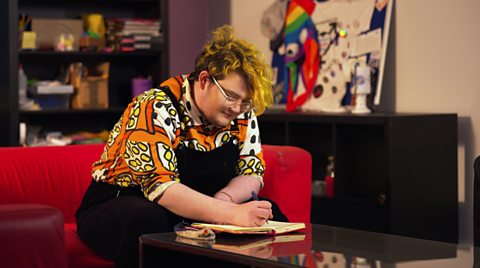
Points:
[(92, 93), (49, 31), (91, 85)]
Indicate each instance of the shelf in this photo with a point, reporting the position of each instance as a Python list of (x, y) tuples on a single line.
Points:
[(83, 1), (78, 54), (349, 201), (389, 168), (322, 198), (72, 121), (82, 4), (277, 115), (72, 112)]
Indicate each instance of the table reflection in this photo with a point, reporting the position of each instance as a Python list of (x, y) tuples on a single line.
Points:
[(332, 247)]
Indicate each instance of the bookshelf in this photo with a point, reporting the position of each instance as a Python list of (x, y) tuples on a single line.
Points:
[(394, 173), (124, 66)]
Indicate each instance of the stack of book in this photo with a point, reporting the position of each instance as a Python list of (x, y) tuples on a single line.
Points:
[(132, 34)]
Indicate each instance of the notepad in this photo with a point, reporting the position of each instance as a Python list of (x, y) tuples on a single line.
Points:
[(270, 228)]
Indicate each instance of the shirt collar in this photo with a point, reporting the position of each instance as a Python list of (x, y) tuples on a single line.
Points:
[(190, 107)]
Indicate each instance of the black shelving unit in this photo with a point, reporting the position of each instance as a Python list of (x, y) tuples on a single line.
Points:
[(45, 65), (394, 173), (70, 121)]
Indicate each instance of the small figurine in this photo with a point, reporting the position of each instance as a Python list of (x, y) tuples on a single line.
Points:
[(362, 89)]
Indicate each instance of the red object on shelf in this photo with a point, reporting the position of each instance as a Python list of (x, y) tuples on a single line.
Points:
[(329, 183)]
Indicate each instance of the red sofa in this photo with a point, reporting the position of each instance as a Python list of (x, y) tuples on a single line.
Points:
[(53, 180)]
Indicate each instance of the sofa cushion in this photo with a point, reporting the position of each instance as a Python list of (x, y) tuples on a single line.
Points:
[(288, 180), (24, 231), (58, 180)]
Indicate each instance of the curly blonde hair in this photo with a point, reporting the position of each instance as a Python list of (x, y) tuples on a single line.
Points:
[(224, 54)]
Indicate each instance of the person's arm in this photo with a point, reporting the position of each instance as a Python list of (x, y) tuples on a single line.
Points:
[(239, 189), (191, 204), (251, 164)]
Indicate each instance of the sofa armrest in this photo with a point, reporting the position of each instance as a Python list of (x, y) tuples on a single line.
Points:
[(288, 180), (31, 236)]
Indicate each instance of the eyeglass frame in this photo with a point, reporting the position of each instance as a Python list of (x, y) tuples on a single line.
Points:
[(238, 102)]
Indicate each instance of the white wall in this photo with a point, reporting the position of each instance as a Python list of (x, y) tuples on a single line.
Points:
[(245, 18), (437, 70), (189, 24)]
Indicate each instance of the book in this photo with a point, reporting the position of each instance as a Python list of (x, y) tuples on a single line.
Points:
[(270, 228)]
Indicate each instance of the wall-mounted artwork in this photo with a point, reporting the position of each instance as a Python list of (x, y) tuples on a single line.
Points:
[(328, 56)]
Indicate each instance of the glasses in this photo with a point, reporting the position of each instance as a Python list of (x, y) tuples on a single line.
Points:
[(234, 102)]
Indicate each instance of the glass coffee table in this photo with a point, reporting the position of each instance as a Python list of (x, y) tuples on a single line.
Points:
[(316, 246)]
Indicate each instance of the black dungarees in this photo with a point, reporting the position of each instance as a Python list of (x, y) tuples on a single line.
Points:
[(111, 218)]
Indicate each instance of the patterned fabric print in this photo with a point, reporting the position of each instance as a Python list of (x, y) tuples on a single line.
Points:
[(124, 180), (251, 158), (150, 185), (115, 132), (250, 165), (140, 149), (165, 116), (194, 144), (104, 166), (190, 113), (206, 140), (251, 144), (221, 138), (104, 155), (133, 116), (167, 156), (99, 174), (138, 156), (187, 120)]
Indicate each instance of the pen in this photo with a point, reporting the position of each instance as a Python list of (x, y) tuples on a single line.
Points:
[(255, 197)]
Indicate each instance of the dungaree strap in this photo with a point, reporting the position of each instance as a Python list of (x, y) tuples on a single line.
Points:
[(174, 100)]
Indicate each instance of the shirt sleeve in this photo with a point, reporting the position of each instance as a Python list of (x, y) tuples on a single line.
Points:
[(148, 147), (251, 160)]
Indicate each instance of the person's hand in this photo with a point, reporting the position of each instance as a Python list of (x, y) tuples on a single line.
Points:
[(253, 213)]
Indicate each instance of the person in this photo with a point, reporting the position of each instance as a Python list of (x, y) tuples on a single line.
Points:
[(187, 150)]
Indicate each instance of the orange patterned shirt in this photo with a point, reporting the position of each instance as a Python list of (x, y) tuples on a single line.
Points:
[(140, 148)]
